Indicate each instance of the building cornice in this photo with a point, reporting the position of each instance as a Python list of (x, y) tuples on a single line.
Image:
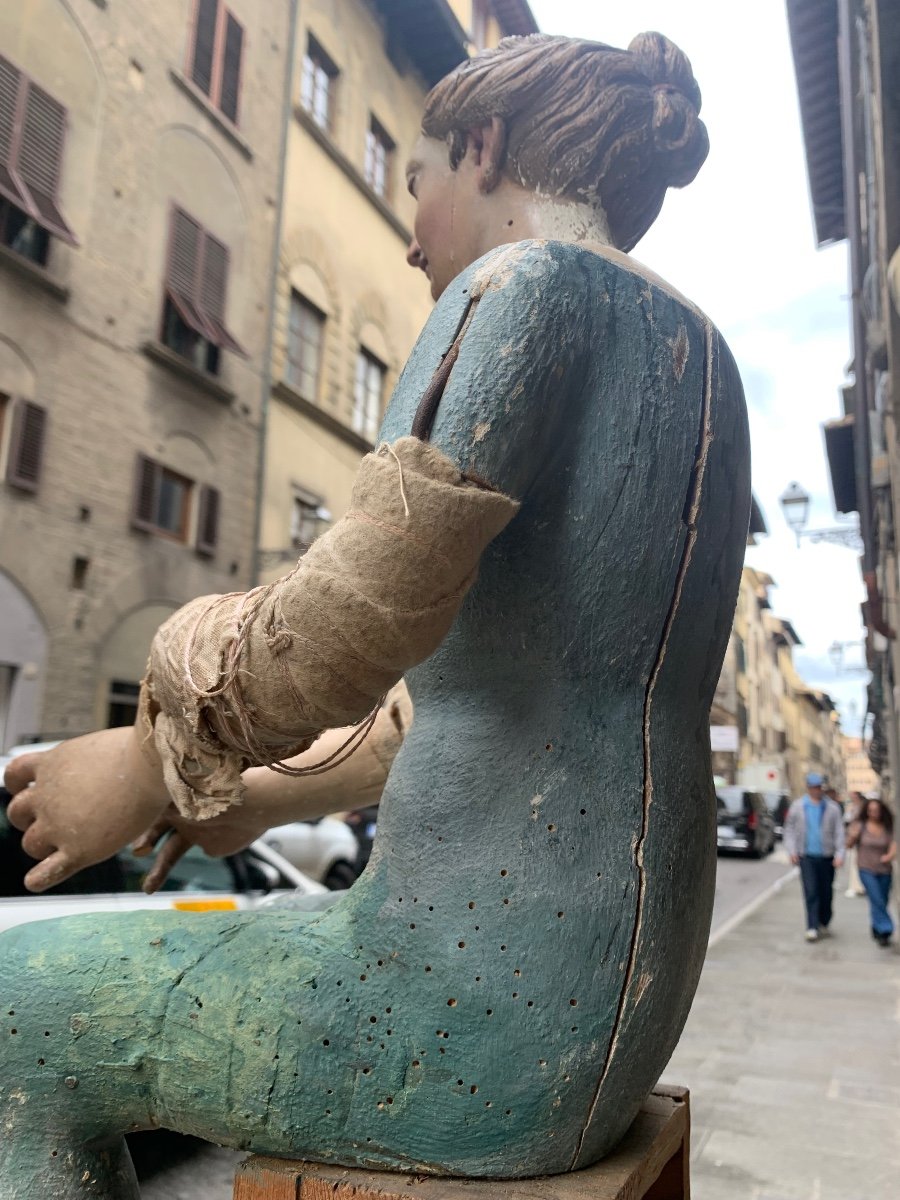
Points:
[(287, 395)]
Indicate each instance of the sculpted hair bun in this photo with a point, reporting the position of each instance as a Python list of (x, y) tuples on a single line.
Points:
[(582, 120), (679, 135)]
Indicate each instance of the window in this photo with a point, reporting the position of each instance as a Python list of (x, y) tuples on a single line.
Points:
[(161, 501), (123, 703), (367, 395), (317, 84), (196, 280), (78, 577), (306, 332), (740, 655), (32, 133), (19, 232), (25, 453), (163, 504), (208, 521), (379, 154), (216, 56), (308, 519)]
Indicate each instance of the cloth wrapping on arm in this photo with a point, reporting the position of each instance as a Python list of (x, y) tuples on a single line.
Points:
[(249, 679)]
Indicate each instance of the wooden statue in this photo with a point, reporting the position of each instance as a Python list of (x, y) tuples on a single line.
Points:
[(502, 987)]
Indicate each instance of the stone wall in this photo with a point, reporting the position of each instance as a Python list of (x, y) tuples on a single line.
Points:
[(80, 335)]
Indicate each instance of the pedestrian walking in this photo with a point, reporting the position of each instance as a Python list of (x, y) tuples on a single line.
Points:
[(814, 839), (853, 812), (873, 837)]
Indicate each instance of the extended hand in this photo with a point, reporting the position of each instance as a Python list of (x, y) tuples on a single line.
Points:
[(226, 833), (837, 861), (89, 797)]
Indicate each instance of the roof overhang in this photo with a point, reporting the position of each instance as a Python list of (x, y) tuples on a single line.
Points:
[(792, 638), (841, 462), (757, 522), (813, 26), (515, 17), (427, 32)]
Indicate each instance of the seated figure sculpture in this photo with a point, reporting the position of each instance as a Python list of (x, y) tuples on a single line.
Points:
[(502, 987)]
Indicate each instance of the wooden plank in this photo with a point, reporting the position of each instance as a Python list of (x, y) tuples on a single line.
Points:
[(651, 1163), (260, 1178)]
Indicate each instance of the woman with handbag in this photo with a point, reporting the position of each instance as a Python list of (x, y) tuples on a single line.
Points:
[(873, 837)]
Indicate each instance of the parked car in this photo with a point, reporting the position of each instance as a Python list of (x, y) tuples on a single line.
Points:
[(251, 879), (779, 803), (744, 823), (364, 823), (326, 850), (197, 882)]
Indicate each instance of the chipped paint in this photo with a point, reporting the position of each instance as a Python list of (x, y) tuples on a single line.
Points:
[(681, 347), (642, 984)]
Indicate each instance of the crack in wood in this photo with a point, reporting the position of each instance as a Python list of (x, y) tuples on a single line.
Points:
[(691, 510)]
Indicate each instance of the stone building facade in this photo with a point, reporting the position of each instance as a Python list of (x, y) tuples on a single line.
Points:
[(860, 776), (847, 62), (140, 152), (784, 728), (348, 308)]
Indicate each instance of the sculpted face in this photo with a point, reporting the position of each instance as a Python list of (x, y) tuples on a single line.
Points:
[(467, 209), (446, 230)]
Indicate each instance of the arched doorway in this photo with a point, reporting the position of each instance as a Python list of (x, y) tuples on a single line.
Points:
[(23, 660), (123, 660)]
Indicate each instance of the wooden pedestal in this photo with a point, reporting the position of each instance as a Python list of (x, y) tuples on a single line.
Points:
[(651, 1163)]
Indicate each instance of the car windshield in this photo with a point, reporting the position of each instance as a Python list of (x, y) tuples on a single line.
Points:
[(195, 872), (733, 800)]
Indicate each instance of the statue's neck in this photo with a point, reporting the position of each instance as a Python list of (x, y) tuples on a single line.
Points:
[(533, 215)]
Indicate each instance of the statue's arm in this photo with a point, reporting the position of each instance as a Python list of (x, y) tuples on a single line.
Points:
[(500, 419), (272, 798)]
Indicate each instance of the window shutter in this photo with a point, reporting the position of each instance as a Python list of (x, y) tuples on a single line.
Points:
[(204, 44), (11, 84), (213, 286), (40, 158), (183, 253), (231, 68), (215, 278), (185, 241), (26, 446), (208, 520), (146, 494)]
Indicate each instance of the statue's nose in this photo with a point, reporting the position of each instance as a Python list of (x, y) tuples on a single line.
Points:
[(414, 255)]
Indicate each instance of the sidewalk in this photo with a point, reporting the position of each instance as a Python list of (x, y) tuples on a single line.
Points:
[(792, 1057)]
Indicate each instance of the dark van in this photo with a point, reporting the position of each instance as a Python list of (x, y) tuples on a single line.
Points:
[(744, 823)]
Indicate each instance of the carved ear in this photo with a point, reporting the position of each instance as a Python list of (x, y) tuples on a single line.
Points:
[(489, 144)]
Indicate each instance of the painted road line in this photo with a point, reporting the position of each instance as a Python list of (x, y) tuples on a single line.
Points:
[(757, 902)]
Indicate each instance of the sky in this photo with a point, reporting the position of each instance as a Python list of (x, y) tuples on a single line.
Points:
[(739, 241)]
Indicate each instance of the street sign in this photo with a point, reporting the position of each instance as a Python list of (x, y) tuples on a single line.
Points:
[(724, 737)]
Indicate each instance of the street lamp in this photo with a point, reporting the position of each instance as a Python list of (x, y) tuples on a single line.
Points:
[(794, 503)]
